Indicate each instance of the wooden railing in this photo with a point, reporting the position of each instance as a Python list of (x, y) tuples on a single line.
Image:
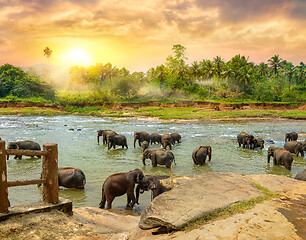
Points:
[(49, 177)]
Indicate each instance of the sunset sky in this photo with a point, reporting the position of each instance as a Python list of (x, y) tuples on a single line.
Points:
[(140, 34)]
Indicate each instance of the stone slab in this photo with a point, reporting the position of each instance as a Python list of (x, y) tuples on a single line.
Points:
[(196, 197), (106, 222), (64, 205)]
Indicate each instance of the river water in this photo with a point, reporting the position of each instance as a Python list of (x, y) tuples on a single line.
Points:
[(78, 148)]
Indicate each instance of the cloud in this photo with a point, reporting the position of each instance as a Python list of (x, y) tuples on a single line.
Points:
[(228, 25)]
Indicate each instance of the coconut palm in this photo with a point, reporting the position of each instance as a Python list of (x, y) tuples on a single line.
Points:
[(48, 53), (275, 64)]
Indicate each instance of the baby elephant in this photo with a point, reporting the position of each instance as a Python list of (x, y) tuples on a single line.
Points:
[(118, 184), (199, 155), (23, 145), (70, 177), (158, 156), (144, 145), (151, 183)]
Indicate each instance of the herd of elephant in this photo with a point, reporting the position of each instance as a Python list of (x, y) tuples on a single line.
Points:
[(122, 183), (281, 156), (157, 156)]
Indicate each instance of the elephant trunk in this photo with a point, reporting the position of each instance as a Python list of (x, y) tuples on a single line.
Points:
[(98, 137), (137, 193), (269, 155)]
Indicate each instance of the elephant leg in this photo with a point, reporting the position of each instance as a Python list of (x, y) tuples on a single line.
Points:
[(128, 201), (109, 200), (154, 161), (131, 198), (170, 146), (102, 203)]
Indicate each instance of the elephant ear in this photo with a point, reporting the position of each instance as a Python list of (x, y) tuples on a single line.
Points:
[(209, 150)]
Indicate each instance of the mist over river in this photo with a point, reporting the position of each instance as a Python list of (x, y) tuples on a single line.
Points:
[(78, 148)]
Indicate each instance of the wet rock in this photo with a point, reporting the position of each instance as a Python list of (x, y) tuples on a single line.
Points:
[(301, 176), (196, 197)]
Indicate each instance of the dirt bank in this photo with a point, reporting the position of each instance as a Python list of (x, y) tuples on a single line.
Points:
[(197, 104)]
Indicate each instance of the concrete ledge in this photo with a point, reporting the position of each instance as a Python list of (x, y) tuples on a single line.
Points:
[(64, 205)]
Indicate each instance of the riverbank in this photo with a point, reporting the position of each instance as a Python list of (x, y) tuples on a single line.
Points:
[(184, 110), (269, 207)]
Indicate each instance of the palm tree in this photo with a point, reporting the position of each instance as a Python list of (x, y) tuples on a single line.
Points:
[(275, 64), (300, 73), (207, 71), (48, 53), (289, 72)]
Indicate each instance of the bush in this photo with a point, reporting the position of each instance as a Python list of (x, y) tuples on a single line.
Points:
[(15, 82)]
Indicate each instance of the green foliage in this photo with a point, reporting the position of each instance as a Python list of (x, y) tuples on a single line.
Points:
[(15, 82)]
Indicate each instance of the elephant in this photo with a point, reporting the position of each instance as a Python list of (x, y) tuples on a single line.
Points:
[(116, 139), (300, 176), (144, 145), (281, 157), (271, 151), (155, 138), (293, 136), (176, 137), (199, 155), (295, 147), (23, 145), (105, 134), (245, 139), (141, 136), (151, 183), (118, 184), (166, 140), (257, 142), (158, 156), (71, 177)]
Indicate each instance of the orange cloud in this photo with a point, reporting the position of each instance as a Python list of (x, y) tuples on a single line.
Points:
[(140, 34)]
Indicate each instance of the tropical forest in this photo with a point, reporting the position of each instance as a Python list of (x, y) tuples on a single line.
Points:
[(236, 80)]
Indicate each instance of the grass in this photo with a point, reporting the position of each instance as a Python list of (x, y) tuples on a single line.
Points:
[(233, 209), (201, 113), (31, 111)]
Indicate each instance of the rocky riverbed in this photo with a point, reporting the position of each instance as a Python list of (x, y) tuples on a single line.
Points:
[(281, 217)]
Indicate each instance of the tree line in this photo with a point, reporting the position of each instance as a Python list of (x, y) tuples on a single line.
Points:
[(237, 79)]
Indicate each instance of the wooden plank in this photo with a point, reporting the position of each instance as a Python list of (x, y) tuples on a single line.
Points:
[(50, 173), (25, 182), (3, 179), (25, 152)]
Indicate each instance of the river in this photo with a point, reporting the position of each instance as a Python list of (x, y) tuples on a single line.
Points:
[(78, 148)]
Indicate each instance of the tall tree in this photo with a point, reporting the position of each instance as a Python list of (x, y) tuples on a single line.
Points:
[(275, 64), (47, 52)]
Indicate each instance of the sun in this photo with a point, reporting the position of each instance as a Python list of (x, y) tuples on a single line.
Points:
[(78, 56)]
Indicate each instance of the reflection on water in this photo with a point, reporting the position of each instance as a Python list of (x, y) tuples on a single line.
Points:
[(80, 149)]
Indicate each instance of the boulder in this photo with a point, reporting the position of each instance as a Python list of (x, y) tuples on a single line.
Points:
[(195, 197), (301, 176)]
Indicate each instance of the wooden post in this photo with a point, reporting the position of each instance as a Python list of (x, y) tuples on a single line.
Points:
[(50, 173), (3, 179), (171, 178)]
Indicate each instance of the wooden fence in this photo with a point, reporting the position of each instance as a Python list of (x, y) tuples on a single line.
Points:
[(49, 177)]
